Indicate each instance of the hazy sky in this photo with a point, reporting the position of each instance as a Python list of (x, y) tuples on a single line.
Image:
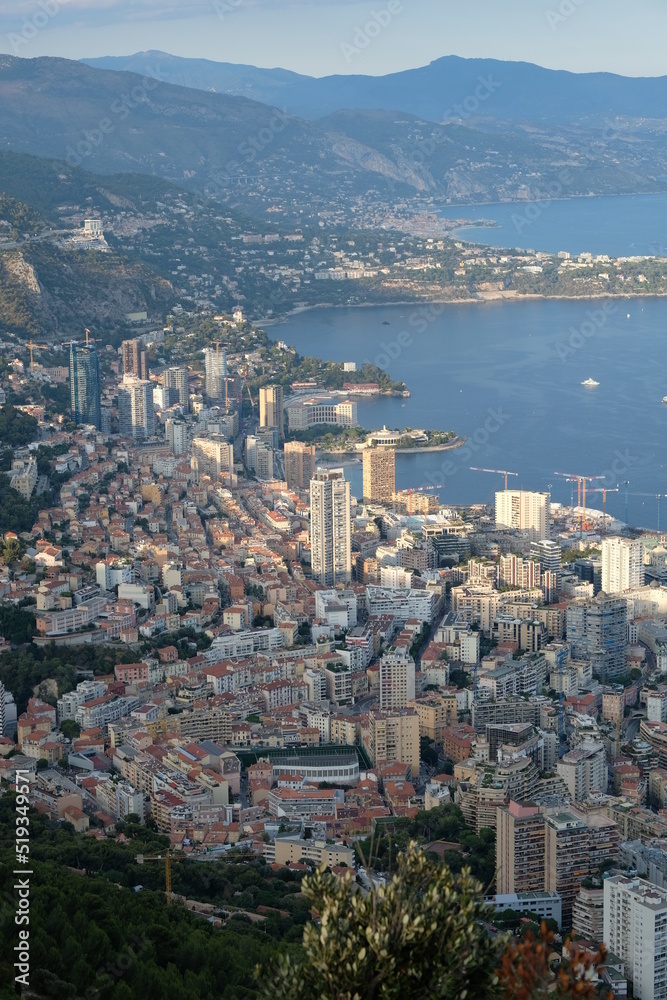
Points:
[(319, 37)]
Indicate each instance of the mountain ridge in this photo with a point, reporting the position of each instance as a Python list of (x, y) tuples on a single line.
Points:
[(519, 98)]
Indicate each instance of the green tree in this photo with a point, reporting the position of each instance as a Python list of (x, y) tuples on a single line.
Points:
[(70, 729), (420, 937)]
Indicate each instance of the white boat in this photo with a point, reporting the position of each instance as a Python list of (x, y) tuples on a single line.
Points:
[(590, 382), (664, 399)]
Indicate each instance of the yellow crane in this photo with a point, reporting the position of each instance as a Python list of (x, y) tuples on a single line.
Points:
[(32, 346), (500, 472), (167, 858)]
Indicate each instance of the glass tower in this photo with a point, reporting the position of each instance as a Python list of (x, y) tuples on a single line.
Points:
[(84, 380)]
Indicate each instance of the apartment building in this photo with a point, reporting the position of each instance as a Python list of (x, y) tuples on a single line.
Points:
[(635, 929), (394, 736), (379, 474), (622, 565), (584, 770), (524, 511), (330, 528), (520, 848), (397, 679)]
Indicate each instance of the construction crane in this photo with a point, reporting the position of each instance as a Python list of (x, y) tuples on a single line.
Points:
[(659, 497), (604, 490), (626, 483), (581, 490), (168, 859), (499, 472), (32, 346)]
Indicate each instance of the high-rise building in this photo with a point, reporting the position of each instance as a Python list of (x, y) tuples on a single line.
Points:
[(635, 929), (548, 553), (584, 770), (134, 359), (213, 455), (379, 474), (136, 415), (519, 848), (271, 412), (84, 379), (176, 432), (597, 630), (622, 565), (394, 736), (299, 464), (178, 378), (215, 363), (524, 511), (515, 571), (567, 862), (397, 680), (330, 528), (259, 457)]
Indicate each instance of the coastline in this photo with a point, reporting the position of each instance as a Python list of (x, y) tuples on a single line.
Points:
[(480, 299), (456, 442)]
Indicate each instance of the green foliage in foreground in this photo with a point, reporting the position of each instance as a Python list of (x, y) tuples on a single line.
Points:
[(446, 823), (419, 937), (93, 938)]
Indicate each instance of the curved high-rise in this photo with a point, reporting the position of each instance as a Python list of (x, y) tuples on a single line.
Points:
[(84, 380)]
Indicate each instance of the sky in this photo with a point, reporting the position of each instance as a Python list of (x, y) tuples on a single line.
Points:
[(321, 37)]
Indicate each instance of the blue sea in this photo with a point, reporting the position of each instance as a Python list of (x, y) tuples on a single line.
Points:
[(507, 376), (626, 226)]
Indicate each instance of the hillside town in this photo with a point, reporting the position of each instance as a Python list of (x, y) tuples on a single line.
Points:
[(297, 668)]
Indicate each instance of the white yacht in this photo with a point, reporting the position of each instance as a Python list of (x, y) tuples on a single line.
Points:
[(590, 382)]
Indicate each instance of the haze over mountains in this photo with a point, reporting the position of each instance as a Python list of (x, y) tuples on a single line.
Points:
[(363, 146), (520, 92)]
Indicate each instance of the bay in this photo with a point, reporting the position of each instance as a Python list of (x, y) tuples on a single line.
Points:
[(507, 376), (621, 226)]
